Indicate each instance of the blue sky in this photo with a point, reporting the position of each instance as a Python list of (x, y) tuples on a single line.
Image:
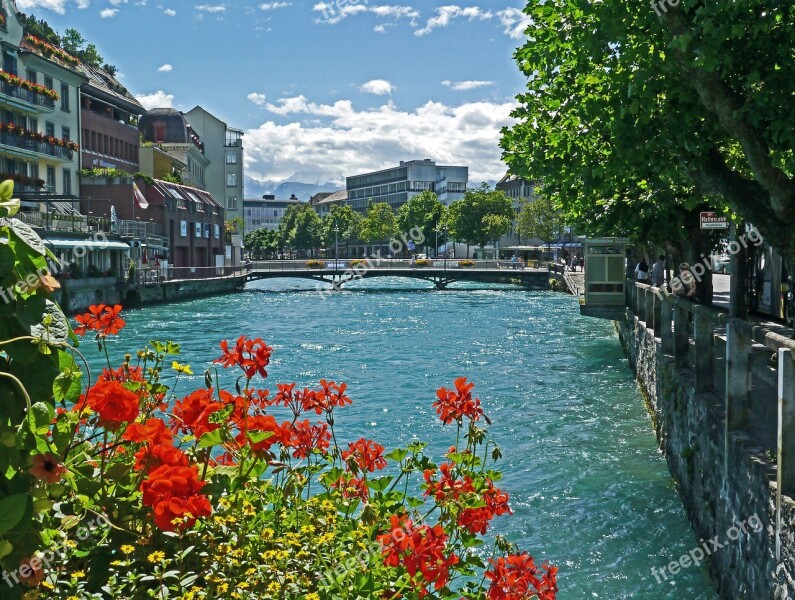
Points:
[(326, 88)]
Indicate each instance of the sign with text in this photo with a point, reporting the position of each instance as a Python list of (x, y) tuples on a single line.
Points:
[(711, 220)]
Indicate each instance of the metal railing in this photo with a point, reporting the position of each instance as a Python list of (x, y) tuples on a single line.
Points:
[(750, 366), (28, 96), (64, 223), (26, 143), (330, 264)]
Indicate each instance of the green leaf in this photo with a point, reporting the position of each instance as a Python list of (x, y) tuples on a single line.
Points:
[(259, 436), (67, 386), (12, 509), (23, 233), (398, 454), (6, 190), (211, 438), (40, 417), (56, 333), (8, 208)]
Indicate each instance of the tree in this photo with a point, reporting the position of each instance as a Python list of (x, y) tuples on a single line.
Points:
[(379, 224), (483, 215), (72, 41), (424, 212), (261, 242), (635, 115), (346, 219), (539, 218), (307, 229)]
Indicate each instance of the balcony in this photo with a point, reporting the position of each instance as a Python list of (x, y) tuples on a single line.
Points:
[(152, 233), (26, 96), (25, 143), (52, 222)]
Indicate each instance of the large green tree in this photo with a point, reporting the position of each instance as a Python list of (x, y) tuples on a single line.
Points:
[(346, 220), (424, 212), (482, 216), (636, 116), (379, 224), (539, 218)]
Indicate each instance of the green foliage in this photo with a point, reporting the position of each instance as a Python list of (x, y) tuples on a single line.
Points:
[(423, 212), (40, 29), (379, 223), (481, 216), (539, 218), (344, 217), (635, 119), (262, 243)]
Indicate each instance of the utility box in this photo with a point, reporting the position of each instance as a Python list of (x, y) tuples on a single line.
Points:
[(605, 278)]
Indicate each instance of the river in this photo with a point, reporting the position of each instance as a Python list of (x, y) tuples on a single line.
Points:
[(590, 490)]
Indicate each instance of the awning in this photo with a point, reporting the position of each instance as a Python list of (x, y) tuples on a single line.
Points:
[(93, 244)]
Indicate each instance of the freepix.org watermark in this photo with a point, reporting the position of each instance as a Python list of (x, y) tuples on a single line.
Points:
[(31, 569), (696, 556), (38, 278), (332, 9)]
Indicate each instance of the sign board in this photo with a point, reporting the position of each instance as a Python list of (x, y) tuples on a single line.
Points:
[(711, 220)]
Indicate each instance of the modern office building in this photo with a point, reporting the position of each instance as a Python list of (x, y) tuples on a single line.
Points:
[(266, 213), (396, 185), (223, 147), (324, 202)]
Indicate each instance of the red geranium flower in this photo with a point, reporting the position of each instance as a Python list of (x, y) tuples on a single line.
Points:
[(352, 487), (89, 321), (366, 455), (154, 431), (306, 438), (455, 405), (152, 456), (192, 413), (112, 402), (252, 356), (263, 424), (329, 396), (47, 467), (447, 488), (515, 577), (100, 318), (476, 520), (173, 493), (110, 321)]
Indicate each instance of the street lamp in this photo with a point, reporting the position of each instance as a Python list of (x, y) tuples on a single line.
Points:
[(444, 229), (336, 246)]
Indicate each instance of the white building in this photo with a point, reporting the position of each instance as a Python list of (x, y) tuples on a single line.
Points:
[(397, 185), (266, 213)]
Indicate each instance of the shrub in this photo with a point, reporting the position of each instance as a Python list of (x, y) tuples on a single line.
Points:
[(466, 263), (358, 261), (314, 264), (423, 262)]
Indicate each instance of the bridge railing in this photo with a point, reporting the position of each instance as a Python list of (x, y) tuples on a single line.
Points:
[(749, 366), (380, 263)]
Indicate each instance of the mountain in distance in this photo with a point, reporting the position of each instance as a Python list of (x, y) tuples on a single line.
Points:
[(303, 185)]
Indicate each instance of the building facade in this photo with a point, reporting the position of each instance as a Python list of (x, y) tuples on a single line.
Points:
[(397, 185), (39, 125), (223, 147), (266, 213), (170, 131)]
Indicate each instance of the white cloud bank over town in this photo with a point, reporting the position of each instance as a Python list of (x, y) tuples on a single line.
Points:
[(159, 99), (338, 138)]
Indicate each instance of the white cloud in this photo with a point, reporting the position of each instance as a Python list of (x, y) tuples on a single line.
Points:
[(117, 2), (463, 86), (108, 13), (169, 12), (83, 4), (339, 138), (256, 98), (446, 14), (157, 100), (274, 5), (165, 68), (514, 22), (333, 12), (380, 28), (53, 5), (211, 8), (379, 87)]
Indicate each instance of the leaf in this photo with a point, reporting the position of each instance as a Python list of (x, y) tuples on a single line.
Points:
[(23, 233), (12, 509), (67, 387), (56, 333), (40, 417), (259, 436), (6, 189), (211, 438), (8, 208)]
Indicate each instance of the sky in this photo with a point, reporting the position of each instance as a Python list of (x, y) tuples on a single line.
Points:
[(322, 89)]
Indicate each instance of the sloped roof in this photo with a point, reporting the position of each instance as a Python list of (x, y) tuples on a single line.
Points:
[(185, 192), (105, 83), (339, 196)]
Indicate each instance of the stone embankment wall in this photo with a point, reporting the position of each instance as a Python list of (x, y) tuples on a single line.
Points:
[(724, 475), (76, 295)]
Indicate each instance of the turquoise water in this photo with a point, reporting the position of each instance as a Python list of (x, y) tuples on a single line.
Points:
[(590, 491)]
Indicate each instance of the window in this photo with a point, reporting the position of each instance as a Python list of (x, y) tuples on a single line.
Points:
[(65, 133), (160, 132), (64, 97), (231, 157), (31, 75), (51, 179), (33, 124), (49, 129), (9, 63), (232, 203), (48, 83), (231, 180), (67, 181)]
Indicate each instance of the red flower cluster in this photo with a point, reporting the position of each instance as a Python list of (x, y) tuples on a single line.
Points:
[(515, 577), (447, 488), (262, 424), (352, 487), (367, 455), (114, 403), (252, 356), (476, 520), (192, 413), (329, 396), (421, 550), (50, 50), (173, 494), (306, 438), (455, 405), (105, 320)]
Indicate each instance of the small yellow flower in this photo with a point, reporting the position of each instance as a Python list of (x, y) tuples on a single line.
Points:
[(78, 574), (156, 557), (312, 596), (181, 368), (127, 549)]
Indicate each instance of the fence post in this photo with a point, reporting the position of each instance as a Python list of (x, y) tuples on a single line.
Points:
[(704, 359), (640, 303), (649, 308), (785, 455), (666, 320), (681, 335), (658, 300)]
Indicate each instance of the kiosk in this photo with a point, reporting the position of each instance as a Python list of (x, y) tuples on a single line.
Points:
[(605, 278)]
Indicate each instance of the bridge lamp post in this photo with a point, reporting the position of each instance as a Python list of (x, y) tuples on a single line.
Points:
[(336, 233), (444, 229)]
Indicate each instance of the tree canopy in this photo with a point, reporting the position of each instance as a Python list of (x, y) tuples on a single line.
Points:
[(483, 215), (72, 41), (539, 218), (379, 223), (637, 117), (425, 212)]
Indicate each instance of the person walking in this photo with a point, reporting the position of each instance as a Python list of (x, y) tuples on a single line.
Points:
[(642, 271), (658, 272)]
